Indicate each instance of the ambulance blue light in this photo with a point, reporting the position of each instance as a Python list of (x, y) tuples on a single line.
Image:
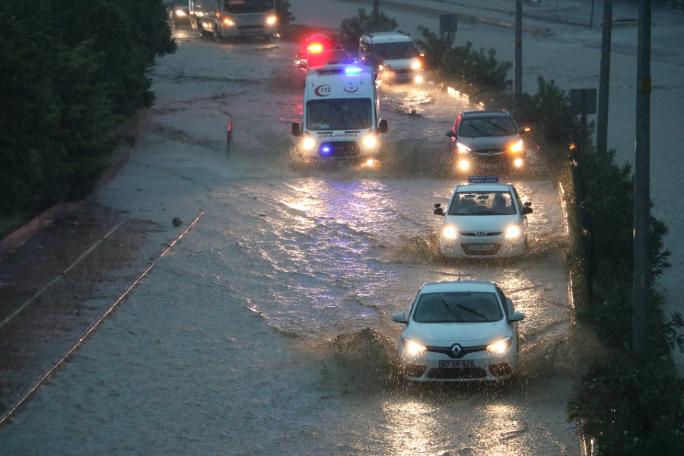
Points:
[(325, 151), (352, 70)]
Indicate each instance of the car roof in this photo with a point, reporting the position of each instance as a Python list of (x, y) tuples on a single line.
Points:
[(485, 114), (483, 188), (387, 37), (458, 285)]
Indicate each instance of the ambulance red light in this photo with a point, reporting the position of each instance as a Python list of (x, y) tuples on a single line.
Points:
[(315, 48)]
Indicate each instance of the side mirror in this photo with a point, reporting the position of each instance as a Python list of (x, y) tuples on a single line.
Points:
[(296, 131), (526, 210), (527, 203), (516, 316), (400, 318), (525, 130), (439, 211), (382, 126), (450, 134)]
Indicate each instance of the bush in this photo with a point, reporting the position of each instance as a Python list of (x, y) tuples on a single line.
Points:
[(70, 71), (462, 62), (549, 109), (352, 28)]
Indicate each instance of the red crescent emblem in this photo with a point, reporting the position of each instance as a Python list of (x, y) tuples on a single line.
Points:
[(322, 90)]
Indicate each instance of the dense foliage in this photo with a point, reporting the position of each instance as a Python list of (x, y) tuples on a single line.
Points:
[(70, 72), (463, 63), (352, 28)]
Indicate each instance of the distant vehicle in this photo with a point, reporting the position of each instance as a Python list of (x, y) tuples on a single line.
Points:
[(319, 50), (234, 18), (179, 13), (395, 56), (459, 331), (484, 219), (341, 114), (487, 140)]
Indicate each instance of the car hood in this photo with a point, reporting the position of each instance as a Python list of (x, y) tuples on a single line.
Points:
[(397, 64), (488, 142), (486, 223), (447, 334)]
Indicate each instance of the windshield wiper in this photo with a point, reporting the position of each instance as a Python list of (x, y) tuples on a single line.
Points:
[(456, 317), (505, 130), (472, 311)]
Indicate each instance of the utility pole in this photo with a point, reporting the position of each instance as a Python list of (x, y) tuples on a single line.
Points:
[(591, 15), (376, 9), (518, 50), (604, 80), (642, 255)]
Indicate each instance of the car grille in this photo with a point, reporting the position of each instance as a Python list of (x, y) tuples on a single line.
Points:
[(480, 233), (455, 373), (340, 149), (481, 249), (450, 353)]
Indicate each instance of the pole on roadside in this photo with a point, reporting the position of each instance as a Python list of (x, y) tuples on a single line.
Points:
[(604, 79), (591, 15), (376, 9), (642, 255), (518, 50)]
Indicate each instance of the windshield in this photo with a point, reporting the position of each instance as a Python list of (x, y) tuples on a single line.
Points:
[(460, 307), (403, 50), (343, 114), (482, 203), (248, 6), (486, 126)]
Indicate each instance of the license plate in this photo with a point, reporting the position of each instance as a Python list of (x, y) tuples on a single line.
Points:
[(457, 363), (481, 247)]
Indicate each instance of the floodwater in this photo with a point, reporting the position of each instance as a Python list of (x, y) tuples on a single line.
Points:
[(267, 328)]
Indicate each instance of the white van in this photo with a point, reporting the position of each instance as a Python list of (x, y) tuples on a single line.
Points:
[(395, 56), (341, 114), (234, 18)]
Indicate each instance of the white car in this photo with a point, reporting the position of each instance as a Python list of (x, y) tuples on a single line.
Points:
[(484, 219), (459, 331)]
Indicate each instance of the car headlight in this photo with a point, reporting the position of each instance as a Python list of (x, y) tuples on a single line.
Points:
[(517, 146), (463, 164), (180, 13), (501, 346), (513, 232), (308, 143), (271, 20), (462, 148), (228, 22), (418, 79), (449, 232), (369, 141), (518, 162), (413, 348), (416, 64), (199, 13)]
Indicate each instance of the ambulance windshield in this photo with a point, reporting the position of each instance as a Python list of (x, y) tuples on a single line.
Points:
[(340, 114)]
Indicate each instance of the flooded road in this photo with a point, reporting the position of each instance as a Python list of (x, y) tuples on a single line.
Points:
[(267, 328)]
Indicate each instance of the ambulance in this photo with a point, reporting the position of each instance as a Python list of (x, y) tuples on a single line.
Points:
[(341, 114)]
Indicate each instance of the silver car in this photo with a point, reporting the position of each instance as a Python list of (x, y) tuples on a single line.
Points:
[(487, 139)]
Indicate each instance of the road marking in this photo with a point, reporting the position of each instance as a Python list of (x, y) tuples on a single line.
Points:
[(95, 325), (60, 276)]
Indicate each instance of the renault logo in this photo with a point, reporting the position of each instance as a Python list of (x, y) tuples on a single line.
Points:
[(480, 234), (456, 350)]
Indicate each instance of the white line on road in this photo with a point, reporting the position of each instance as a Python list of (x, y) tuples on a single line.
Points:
[(51, 371), (60, 276)]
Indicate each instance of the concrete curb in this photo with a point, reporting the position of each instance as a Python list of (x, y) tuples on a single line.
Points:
[(465, 18)]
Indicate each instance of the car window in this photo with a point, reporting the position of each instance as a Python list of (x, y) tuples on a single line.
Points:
[(516, 196), (457, 307), (482, 203), (476, 127)]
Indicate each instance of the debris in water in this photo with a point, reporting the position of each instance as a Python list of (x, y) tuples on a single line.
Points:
[(177, 221)]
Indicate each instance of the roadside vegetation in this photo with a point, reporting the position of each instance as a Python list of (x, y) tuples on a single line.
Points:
[(630, 406), (71, 73), (352, 28)]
